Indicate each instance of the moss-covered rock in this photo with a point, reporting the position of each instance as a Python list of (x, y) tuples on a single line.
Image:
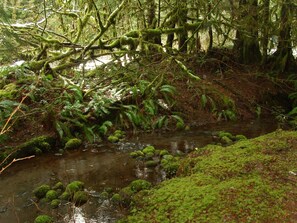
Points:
[(55, 203), (74, 187), (80, 198), (249, 181), (119, 133), (74, 143), (126, 194), (65, 196), (164, 152), (113, 139), (138, 185), (152, 163), (41, 191), (240, 137), (149, 150), (226, 140), (43, 219), (58, 185), (116, 198), (170, 165), (51, 195)]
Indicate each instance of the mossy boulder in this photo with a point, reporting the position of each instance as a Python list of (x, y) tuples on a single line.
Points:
[(170, 165), (152, 163), (116, 198), (138, 185), (43, 219), (55, 203), (41, 191), (51, 195), (80, 198), (226, 140), (119, 133), (240, 137), (149, 150), (163, 152), (65, 196), (58, 185), (74, 187), (249, 181), (126, 194), (74, 143), (113, 139)]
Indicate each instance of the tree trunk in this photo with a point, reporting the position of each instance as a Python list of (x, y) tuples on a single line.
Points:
[(247, 44), (284, 56), (265, 28), (182, 20)]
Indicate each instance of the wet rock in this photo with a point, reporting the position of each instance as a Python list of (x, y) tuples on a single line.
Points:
[(41, 191), (73, 143), (44, 219)]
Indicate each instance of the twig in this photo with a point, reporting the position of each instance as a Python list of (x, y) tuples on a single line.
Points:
[(15, 160), (38, 208), (5, 128)]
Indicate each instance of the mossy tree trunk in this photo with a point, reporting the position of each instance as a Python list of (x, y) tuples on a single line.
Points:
[(247, 44), (182, 20), (284, 56), (265, 29)]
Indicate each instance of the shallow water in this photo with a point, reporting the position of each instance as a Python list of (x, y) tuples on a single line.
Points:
[(99, 167)]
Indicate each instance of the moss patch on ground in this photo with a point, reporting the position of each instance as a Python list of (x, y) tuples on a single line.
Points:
[(250, 181)]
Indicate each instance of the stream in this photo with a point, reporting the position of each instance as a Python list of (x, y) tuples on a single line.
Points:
[(102, 166)]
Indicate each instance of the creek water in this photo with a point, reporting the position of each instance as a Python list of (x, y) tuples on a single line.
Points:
[(100, 166)]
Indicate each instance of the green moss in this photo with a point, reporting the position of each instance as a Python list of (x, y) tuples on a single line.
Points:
[(151, 163), (164, 152), (240, 137), (41, 191), (34, 146), (104, 195), (58, 185), (119, 133), (43, 219), (246, 182), (74, 187), (126, 194), (113, 139), (134, 154), (116, 198), (225, 134), (65, 196), (55, 203), (138, 185), (149, 150), (80, 198), (226, 140), (51, 195), (73, 143)]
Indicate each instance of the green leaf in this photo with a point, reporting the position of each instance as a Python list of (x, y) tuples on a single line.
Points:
[(166, 88), (203, 100)]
